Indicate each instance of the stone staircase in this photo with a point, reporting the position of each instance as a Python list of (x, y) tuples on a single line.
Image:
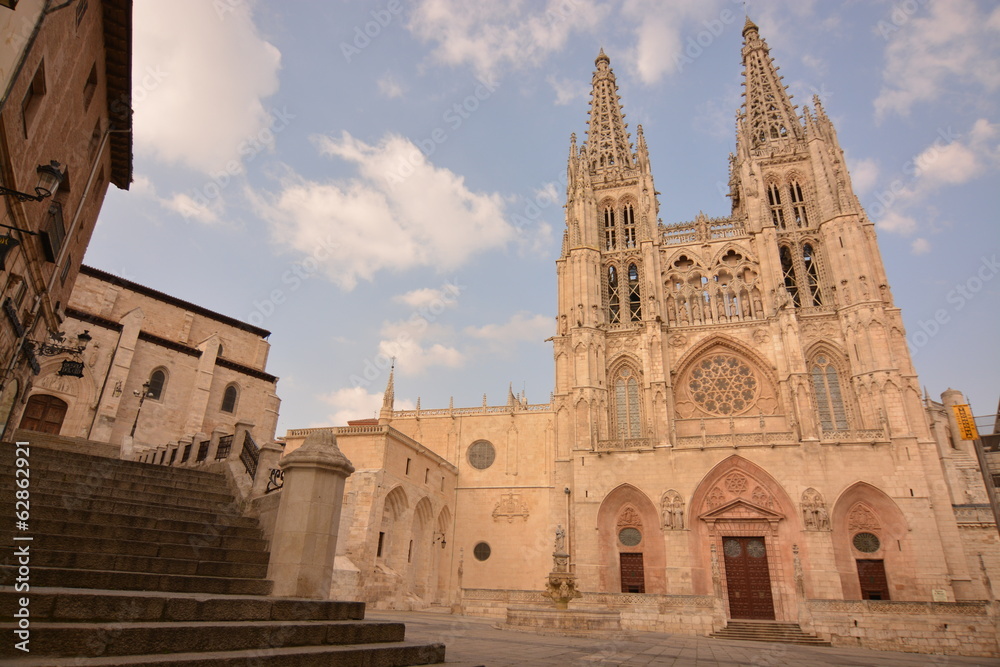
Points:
[(768, 631), (136, 564)]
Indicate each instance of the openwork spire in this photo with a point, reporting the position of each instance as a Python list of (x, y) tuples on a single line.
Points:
[(608, 146), (767, 116)]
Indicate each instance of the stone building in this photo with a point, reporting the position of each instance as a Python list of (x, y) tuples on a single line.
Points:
[(65, 75), (204, 375), (737, 430)]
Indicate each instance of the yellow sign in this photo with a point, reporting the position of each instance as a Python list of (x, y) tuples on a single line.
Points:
[(966, 424)]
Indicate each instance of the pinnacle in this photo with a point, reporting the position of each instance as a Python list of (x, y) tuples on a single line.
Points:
[(748, 26)]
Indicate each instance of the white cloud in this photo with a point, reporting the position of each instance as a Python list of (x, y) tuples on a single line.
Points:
[(521, 326), (200, 78), (390, 87), (355, 403), (950, 164), (927, 55), (427, 298), (207, 213), (864, 174), (491, 37), (401, 212), (920, 246), (897, 223), (567, 90)]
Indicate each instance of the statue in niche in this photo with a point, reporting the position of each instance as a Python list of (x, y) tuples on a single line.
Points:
[(672, 510), (560, 540)]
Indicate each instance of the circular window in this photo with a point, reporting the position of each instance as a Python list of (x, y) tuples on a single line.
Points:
[(723, 385), (481, 455), (732, 548), (867, 543), (481, 551), (630, 536)]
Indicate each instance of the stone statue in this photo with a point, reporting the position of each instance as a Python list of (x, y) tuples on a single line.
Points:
[(560, 540), (822, 518)]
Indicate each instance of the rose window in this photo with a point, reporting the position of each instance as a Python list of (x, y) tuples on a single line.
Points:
[(723, 385)]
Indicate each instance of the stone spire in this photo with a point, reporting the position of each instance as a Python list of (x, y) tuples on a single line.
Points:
[(767, 116), (389, 397), (608, 145)]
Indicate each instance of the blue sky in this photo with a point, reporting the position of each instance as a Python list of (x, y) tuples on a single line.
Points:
[(377, 179)]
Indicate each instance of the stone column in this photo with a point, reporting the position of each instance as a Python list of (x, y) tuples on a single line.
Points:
[(213, 448), (269, 455), (305, 532)]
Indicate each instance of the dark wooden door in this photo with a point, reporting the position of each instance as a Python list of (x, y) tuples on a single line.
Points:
[(874, 585), (633, 578), (44, 414), (747, 578)]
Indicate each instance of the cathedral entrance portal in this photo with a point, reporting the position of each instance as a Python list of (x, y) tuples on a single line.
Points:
[(747, 578), (633, 577)]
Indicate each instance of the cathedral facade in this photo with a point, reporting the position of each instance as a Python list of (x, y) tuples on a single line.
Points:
[(737, 430)]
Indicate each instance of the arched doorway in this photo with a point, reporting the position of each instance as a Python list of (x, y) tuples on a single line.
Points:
[(44, 414), (633, 559)]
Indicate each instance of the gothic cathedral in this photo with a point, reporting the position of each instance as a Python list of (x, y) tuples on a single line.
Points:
[(736, 432)]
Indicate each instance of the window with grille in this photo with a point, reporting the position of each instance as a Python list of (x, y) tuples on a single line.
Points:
[(614, 301), (774, 201), (812, 275), (798, 204), (157, 384), (627, 413), (830, 402), (788, 273), (229, 399), (628, 215), (482, 455), (609, 228), (634, 300)]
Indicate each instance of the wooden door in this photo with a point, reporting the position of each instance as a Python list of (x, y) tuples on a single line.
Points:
[(871, 574), (44, 414), (633, 578), (747, 579)]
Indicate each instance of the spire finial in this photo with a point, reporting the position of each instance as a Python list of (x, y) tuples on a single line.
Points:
[(608, 146)]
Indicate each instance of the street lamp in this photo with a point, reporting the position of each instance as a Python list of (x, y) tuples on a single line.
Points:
[(71, 367), (49, 177), (142, 397)]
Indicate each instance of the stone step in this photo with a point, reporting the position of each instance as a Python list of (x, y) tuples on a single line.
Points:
[(207, 537), (768, 631), (74, 604), (395, 654), (231, 525), (72, 560), (137, 581), (61, 484), (42, 542), (45, 505), (67, 443), (85, 640), (109, 475), (75, 460)]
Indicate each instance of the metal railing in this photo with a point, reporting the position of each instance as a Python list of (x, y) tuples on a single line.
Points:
[(203, 450), (225, 447), (250, 455)]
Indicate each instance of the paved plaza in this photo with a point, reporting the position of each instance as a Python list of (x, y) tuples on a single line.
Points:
[(474, 641)]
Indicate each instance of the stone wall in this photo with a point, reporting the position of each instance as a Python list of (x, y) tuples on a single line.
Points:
[(954, 628)]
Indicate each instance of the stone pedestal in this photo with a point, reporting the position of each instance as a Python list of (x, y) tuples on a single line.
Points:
[(305, 531), (572, 622)]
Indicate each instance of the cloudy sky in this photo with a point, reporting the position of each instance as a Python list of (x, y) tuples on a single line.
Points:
[(378, 179)]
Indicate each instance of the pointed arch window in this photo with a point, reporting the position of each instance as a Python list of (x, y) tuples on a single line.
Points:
[(812, 274), (788, 273), (634, 301), (229, 399), (628, 218), (609, 228), (157, 384), (774, 201), (626, 412), (614, 302), (829, 399), (798, 204)]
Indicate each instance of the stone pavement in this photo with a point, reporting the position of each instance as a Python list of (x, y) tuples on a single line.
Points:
[(474, 641)]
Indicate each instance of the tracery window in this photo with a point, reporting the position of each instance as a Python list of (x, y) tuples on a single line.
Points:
[(812, 274), (627, 413), (609, 228), (722, 384), (634, 302), (157, 383), (628, 218), (798, 204), (788, 273), (829, 400), (774, 200), (614, 302)]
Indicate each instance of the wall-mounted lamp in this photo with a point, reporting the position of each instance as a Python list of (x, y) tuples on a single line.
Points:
[(71, 367), (49, 177), (439, 537)]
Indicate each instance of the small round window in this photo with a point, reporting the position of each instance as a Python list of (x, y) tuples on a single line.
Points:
[(481, 455), (630, 537), (481, 551), (867, 543)]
